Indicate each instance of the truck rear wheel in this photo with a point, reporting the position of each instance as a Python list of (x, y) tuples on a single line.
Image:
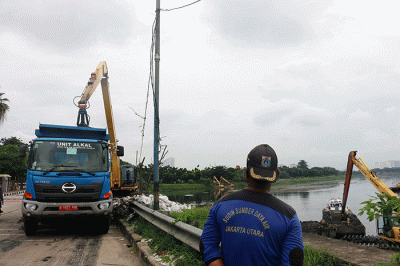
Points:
[(30, 226)]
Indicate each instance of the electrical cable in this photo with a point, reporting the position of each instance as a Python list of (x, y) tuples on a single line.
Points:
[(150, 82), (180, 6)]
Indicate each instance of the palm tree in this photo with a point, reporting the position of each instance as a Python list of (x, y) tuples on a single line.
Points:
[(3, 107)]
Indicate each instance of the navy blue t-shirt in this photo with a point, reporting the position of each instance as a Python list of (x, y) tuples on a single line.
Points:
[(253, 229)]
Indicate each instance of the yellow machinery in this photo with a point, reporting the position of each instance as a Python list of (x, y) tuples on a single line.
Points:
[(122, 177), (387, 227), (219, 189)]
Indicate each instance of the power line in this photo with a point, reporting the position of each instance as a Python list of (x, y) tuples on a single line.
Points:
[(180, 6), (149, 83)]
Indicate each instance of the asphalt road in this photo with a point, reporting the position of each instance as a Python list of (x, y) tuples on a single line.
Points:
[(60, 243)]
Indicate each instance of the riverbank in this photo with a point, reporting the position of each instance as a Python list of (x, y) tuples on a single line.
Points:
[(282, 185)]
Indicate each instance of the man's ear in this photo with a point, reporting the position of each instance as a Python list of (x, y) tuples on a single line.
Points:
[(278, 172)]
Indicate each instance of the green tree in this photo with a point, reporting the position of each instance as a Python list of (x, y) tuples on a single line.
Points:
[(3, 107), (10, 162), (302, 165), (11, 141)]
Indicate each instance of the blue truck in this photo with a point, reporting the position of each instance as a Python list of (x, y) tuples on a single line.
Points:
[(68, 176)]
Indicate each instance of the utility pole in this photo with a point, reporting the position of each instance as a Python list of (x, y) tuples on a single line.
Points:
[(156, 107)]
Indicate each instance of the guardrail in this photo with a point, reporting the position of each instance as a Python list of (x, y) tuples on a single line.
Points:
[(188, 234), (10, 193)]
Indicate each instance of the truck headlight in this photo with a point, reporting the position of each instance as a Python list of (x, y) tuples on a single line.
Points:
[(104, 206), (30, 206)]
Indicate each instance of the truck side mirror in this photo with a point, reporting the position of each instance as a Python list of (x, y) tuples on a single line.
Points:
[(120, 151), (22, 151)]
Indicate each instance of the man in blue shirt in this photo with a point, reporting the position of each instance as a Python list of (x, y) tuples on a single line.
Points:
[(252, 227)]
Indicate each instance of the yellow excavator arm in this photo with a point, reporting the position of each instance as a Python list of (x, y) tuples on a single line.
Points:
[(94, 81), (115, 170), (364, 169), (100, 76)]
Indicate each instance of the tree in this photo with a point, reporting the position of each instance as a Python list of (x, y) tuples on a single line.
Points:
[(3, 107), (302, 165), (11, 141), (10, 162)]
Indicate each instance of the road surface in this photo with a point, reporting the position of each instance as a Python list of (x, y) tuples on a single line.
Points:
[(70, 243)]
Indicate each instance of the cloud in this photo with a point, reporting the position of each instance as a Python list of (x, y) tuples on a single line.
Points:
[(359, 114), (68, 25), (291, 111), (258, 23)]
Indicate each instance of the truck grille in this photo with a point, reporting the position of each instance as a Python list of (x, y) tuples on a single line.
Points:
[(54, 193)]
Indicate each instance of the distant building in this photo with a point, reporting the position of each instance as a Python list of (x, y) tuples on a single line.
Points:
[(169, 162), (394, 164), (387, 164)]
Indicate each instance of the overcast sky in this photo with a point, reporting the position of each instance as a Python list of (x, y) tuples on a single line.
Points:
[(314, 79)]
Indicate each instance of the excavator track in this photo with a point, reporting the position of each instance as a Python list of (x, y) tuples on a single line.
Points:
[(372, 241), (365, 240)]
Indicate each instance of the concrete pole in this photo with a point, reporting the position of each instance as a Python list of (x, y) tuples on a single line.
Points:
[(156, 107)]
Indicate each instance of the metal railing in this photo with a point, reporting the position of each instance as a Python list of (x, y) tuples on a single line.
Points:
[(187, 234)]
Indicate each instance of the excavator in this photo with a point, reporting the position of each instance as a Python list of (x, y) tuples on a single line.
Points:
[(123, 177), (387, 226)]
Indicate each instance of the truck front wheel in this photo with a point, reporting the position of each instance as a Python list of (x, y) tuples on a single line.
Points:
[(104, 225), (30, 226)]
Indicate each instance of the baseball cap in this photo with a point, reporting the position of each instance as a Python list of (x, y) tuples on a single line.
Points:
[(263, 163)]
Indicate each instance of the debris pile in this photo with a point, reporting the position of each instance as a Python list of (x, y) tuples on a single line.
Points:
[(121, 205), (164, 203)]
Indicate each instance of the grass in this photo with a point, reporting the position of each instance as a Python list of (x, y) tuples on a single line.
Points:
[(194, 214), (166, 246), (308, 180), (320, 257)]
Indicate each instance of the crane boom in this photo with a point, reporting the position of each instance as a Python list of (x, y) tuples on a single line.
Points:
[(115, 170), (101, 71), (95, 79), (120, 180), (368, 174)]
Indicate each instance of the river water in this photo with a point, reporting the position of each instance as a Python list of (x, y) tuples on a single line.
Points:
[(309, 204)]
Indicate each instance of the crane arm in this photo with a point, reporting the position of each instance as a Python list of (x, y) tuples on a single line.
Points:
[(95, 79), (115, 171), (378, 184), (368, 174)]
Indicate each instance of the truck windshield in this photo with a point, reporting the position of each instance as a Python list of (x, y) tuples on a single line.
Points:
[(68, 156)]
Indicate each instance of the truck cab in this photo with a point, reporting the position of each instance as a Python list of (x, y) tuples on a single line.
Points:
[(68, 176)]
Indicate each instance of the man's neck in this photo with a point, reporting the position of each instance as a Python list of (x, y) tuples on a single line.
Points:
[(261, 190)]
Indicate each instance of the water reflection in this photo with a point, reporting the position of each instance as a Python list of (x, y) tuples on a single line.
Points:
[(198, 198), (302, 194)]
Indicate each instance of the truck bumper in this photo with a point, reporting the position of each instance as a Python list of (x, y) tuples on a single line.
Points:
[(38, 210)]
